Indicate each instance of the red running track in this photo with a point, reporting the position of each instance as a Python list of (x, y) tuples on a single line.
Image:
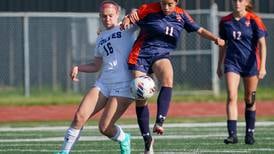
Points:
[(66, 112)]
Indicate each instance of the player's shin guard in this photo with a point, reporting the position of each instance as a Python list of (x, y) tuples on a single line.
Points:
[(143, 120), (71, 137), (163, 102), (232, 127), (250, 118)]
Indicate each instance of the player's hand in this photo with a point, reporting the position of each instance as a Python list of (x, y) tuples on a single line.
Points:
[(219, 71), (262, 73), (133, 16), (125, 23), (73, 73), (220, 42)]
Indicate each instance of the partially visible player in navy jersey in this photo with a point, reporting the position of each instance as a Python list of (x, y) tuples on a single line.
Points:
[(161, 24), (244, 56)]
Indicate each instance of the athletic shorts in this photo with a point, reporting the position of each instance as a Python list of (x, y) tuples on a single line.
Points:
[(120, 89), (145, 61), (243, 71)]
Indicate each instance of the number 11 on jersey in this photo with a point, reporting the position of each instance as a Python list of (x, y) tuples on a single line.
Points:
[(169, 31)]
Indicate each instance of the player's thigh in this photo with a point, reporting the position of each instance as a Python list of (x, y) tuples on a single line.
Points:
[(114, 109), (137, 73), (92, 103), (232, 83), (250, 85), (163, 70)]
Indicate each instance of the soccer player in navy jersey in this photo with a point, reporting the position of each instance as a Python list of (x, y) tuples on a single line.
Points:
[(161, 24), (244, 56)]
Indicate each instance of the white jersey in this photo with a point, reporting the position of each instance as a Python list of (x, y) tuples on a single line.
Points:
[(113, 46)]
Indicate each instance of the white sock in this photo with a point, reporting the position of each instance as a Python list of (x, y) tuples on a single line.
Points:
[(120, 134), (71, 137)]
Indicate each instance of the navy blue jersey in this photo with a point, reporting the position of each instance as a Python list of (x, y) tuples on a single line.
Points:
[(159, 32), (241, 36)]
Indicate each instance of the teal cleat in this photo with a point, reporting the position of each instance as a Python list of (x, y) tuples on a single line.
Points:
[(125, 144), (61, 152)]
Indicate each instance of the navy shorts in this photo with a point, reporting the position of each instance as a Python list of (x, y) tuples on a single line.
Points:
[(146, 59), (242, 70)]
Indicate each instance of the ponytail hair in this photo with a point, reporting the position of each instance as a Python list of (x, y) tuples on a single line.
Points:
[(249, 6)]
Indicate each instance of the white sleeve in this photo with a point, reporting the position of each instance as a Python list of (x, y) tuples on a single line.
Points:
[(96, 50)]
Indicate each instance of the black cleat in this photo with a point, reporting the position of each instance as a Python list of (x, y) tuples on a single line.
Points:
[(231, 140), (149, 145), (249, 139)]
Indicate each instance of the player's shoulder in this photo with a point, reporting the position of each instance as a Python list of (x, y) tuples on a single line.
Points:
[(226, 18), (254, 17), (151, 7), (179, 10)]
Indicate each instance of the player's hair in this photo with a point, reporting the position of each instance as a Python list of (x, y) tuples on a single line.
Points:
[(177, 1), (249, 6), (104, 3)]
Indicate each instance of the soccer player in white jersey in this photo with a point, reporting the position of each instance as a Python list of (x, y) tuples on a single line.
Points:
[(111, 90)]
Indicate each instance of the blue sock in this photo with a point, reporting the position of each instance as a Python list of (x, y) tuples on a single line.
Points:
[(163, 102), (250, 118), (143, 120), (232, 127)]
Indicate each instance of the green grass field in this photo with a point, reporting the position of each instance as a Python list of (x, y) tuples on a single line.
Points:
[(180, 138)]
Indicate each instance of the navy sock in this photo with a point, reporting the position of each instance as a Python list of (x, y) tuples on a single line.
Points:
[(250, 118), (163, 102), (232, 127), (143, 120)]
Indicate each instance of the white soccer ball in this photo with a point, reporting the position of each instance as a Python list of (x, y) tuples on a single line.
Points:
[(142, 87)]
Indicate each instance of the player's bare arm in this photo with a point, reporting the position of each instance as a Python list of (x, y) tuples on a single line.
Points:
[(92, 67), (262, 69), (129, 19), (222, 53), (208, 35)]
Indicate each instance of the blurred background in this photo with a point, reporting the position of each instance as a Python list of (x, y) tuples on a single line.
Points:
[(40, 40)]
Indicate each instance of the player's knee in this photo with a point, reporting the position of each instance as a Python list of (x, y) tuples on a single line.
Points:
[(250, 101), (141, 103), (232, 99), (167, 82)]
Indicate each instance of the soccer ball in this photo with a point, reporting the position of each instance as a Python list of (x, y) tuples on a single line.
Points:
[(142, 87)]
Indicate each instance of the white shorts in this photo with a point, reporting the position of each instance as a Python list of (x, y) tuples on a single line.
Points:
[(120, 89)]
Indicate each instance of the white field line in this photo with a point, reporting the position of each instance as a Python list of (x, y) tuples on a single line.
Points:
[(171, 125), (176, 151), (103, 138)]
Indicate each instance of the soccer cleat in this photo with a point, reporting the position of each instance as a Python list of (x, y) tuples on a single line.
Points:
[(61, 152), (231, 140), (158, 128), (125, 144), (149, 146), (249, 139)]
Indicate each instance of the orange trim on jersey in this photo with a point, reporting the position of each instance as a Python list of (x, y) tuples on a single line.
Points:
[(227, 18), (179, 10), (134, 54), (257, 19), (146, 9)]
